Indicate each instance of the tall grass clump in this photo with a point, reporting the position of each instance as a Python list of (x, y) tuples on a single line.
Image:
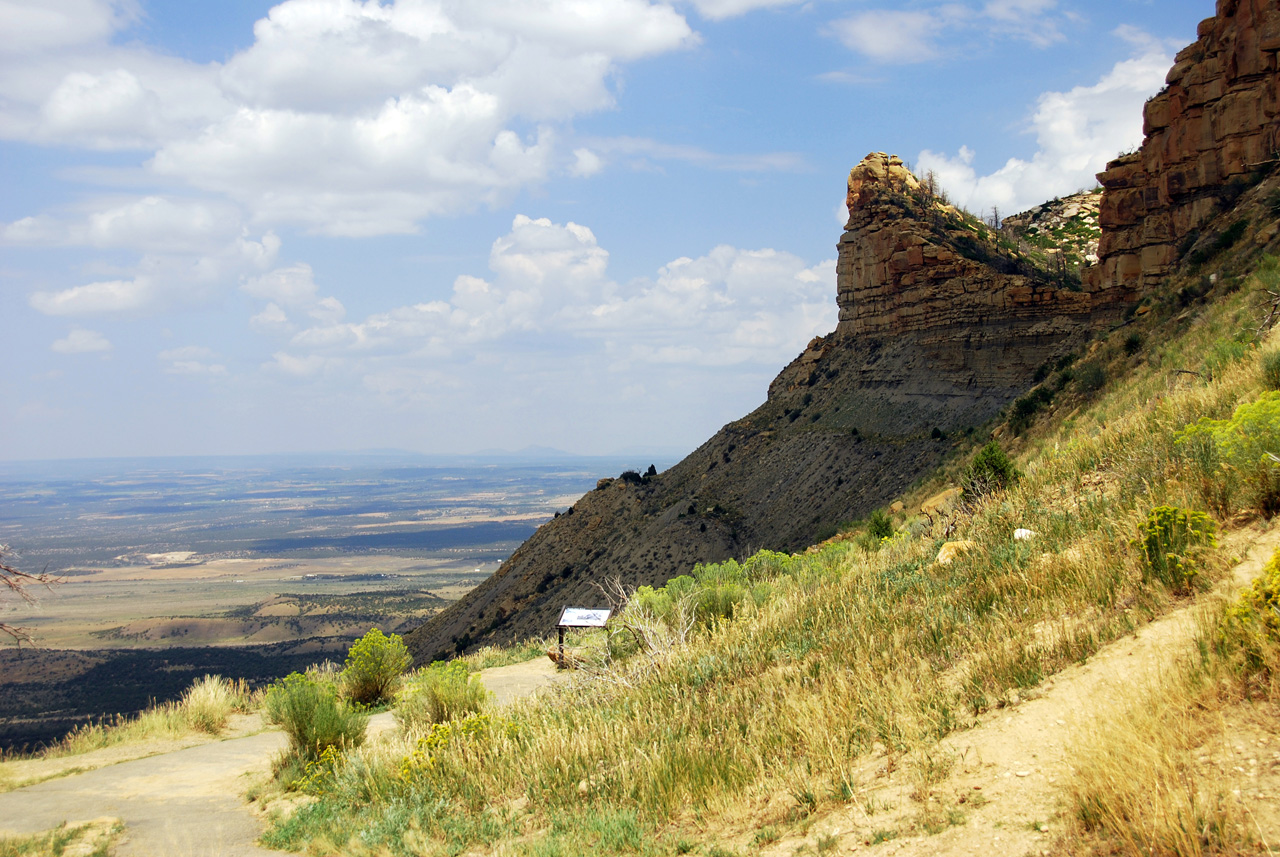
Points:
[(204, 708), (439, 693), (374, 667), (313, 716), (1136, 786), (210, 702)]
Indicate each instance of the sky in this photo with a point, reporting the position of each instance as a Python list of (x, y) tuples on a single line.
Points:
[(453, 225)]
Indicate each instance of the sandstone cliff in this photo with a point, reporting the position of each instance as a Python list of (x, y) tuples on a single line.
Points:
[(940, 326), (1208, 131)]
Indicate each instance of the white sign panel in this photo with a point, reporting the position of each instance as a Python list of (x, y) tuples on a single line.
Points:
[(583, 617)]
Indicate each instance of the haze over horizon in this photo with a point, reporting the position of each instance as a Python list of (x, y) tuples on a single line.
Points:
[(451, 225)]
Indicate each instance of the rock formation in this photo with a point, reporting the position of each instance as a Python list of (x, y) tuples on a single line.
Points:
[(939, 328), (1066, 227), (1211, 127)]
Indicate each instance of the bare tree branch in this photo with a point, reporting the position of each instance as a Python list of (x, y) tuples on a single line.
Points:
[(19, 583)]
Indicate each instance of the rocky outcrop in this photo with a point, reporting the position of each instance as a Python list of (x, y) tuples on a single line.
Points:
[(1214, 124), (939, 328), (911, 265), (1065, 228)]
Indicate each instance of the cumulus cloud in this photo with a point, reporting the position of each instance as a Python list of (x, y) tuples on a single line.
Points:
[(349, 118), (1077, 132), (189, 250), (550, 283), (81, 341), (916, 35)]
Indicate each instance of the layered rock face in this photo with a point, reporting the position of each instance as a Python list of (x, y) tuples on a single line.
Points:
[(931, 337), (1214, 121), (910, 265)]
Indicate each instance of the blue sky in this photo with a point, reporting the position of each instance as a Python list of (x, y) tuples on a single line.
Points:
[(449, 225)]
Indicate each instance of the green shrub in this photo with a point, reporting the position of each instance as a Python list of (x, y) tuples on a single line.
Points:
[(1252, 624), (991, 470), (1240, 451), (439, 693), (313, 716), (374, 667), (880, 527), (1167, 538), (1271, 370), (1090, 378)]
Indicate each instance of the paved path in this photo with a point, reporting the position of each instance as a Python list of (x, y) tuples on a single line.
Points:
[(188, 803)]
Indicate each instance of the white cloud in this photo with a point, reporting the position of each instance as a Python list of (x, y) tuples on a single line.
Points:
[(102, 298), (585, 163), (272, 319), (717, 10), (191, 360), (551, 281), (916, 35), (81, 341), (640, 149), (52, 24), (1077, 132), (349, 118), (891, 35)]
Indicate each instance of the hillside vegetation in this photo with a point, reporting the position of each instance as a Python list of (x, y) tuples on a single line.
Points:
[(746, 699)]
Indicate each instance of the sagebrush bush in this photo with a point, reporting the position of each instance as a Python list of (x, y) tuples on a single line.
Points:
[(1251, 626), (1166, 539), (439, 693), (374, 667), (209, 702), (313, 716), (991, 470), (1240, 452), (1270, 365)]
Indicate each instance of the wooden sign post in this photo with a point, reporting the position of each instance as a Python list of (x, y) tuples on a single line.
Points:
[(580, 617)]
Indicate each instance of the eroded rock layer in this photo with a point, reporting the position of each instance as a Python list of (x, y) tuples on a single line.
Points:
[(1213, 123)]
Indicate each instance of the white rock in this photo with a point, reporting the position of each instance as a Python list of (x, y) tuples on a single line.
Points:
[(1022, 534)]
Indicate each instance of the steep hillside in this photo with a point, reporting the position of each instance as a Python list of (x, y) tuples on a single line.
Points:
[(942, 322)]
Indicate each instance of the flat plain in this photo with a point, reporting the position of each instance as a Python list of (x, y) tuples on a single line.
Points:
[(250, 567)]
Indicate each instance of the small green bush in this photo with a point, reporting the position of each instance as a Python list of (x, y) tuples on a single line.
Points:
[(313, 716), (1090, 378), (991, 470), (374, 667), (1239, 451), (880, 527), (1166, 540), (1271, 370), (439, 693), (1251, 625)]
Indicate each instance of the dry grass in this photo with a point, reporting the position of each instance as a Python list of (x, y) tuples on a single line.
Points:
[(1158, 777), (204, 707)]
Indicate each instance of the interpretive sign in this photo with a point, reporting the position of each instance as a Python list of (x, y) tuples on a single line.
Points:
[(578, 617), (583, 617)]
